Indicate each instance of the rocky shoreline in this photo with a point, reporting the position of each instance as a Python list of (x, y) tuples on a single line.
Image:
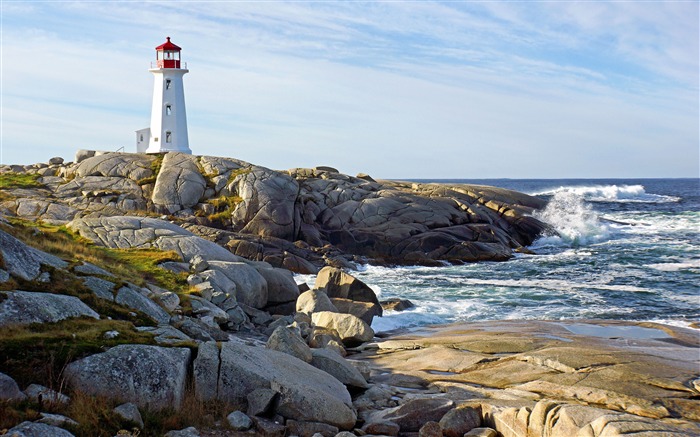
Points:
[(217, 332)]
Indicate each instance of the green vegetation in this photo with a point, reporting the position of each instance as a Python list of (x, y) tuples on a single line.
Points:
[(224, 206), (238, 172), (155, 168), (38, 353), (137, 265), (19, 180)]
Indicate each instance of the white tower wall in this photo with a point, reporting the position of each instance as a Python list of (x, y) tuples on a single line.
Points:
[(168, 131)]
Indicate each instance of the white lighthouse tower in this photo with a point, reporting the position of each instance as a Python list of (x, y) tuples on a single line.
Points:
[(168, 130)]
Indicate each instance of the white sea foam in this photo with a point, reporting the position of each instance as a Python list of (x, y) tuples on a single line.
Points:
[(690, 265), (612, 193), (574, 220)]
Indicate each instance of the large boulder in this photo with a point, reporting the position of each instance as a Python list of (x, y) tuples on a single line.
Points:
[(267, 205), (364, 310), (411, 415), (313, 301), (251, 286), (24, 261), (330, 362), (337, 283), (305, 392), (149, 376), (9, 390), (179, 184), (351, 329), (25, 307), (281, 287), (286, 339)]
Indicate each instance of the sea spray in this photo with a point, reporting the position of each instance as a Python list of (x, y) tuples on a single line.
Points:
[(573, 219), (612, 193)]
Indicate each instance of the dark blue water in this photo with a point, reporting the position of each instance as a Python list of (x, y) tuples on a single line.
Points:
[(627, 249)]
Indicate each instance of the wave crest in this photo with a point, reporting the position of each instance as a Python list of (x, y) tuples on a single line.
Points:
[(574, 221), (612, 193)]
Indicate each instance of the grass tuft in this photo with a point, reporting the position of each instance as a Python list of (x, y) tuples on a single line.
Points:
[(19, 180)]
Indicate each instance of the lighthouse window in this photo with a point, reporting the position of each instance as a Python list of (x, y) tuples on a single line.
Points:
[(168, 110), (167, 84), (141, 137), (168, 137)]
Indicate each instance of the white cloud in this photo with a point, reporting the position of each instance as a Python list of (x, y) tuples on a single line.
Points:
[(414, 89)]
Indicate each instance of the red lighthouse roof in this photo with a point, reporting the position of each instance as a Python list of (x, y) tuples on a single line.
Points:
[(167, 45)]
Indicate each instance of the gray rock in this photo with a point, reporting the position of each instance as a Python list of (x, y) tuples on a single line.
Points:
[(281, 286), (9, 390), (165, 334), (309, 429), (364, 310), (198, 329), (396, 304), (239, 421), (314, 301), (251, 287), (381, 428), (350, 329), (44, 395), (33, 429), (56, 420), (198, 264), (414, 413), (217, 280), (460, 420), (202, 307), (133, 299), (267, 206), (121, 165), (338, 367), (82, 155), (100, 287), (4, 276), (260, 401), (179, 184), (258, 317), (25, 307), (169, 300), (187, 432), (56, 160), (129, 412), (305, 393), (150, 376), (289, 341), (24, 261), (337, 283), (206, 371)]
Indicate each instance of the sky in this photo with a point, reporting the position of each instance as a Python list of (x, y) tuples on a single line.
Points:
[(394, 89)]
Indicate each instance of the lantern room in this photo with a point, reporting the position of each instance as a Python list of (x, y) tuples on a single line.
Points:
[(168, 55)]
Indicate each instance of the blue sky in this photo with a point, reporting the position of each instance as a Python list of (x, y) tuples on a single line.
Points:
[(396, 89)]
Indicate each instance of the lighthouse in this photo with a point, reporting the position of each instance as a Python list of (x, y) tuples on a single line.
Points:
[(168, 130)]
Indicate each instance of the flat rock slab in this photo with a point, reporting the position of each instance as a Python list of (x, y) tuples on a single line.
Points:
[(642, 383), (25, 307)]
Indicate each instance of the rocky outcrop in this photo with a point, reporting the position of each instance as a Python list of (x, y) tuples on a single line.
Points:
[(351, 329), (149, 376), (180, 184), (537, 378), (300, 219)]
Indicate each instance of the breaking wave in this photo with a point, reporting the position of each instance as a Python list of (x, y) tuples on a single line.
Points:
[(575, 221), (612, 193)]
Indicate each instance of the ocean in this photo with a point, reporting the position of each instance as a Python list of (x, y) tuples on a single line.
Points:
[(626, 249)]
